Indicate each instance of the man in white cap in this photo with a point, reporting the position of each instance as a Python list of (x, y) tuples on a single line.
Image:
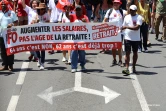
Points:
[(131, 27)]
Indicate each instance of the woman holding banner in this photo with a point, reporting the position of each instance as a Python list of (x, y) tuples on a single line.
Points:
[(31, 11), (8, 18), (63, 19), (41, 17)]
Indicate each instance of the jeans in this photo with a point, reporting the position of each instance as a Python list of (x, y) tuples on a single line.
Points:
[(77, 56), (33, 53), (144, 34), (41, 56), (89, 14), (160, 17)]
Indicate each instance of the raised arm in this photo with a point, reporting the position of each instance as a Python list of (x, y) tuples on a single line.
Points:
[(23, 3), (15, 5)]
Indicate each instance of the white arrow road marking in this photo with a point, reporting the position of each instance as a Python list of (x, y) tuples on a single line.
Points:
[(107, 93), (78, 79), (48, 95)]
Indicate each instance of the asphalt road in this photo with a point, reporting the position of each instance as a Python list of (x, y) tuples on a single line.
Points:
[(100, 88)]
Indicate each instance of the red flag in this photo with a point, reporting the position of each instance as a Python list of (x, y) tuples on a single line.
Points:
[(62, 3)]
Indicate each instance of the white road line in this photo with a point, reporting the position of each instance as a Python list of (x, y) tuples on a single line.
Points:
[(138, 90), (13, 103), (78, 79), (14, 99), (22, 73), (139, 93)]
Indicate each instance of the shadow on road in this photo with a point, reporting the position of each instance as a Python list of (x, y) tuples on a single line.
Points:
[(154, 51), (117, 77), (91, 53), (6, 73), (145, 73)]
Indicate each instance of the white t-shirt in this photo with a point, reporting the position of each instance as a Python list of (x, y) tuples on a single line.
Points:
[(131, 21), (31, 13), (55, 12), (116, 16), (62, 18), (43, 18)]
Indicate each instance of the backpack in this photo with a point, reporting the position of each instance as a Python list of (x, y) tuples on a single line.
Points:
[(121, 11)]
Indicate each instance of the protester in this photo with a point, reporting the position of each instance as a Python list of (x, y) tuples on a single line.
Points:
[(160, 6), (144, 11), (78, 2), (8, 19), (89, 8), (54, 13), (41, 17), (64, 19), (22, 15), (131, 27), (152, 28), (78, 55), (31, 11), (100, 13), (116, 14)]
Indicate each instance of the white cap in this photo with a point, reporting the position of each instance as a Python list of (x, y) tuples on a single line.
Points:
[(133, 7)]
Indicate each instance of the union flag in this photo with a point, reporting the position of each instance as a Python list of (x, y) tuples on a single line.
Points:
[(61, 3)]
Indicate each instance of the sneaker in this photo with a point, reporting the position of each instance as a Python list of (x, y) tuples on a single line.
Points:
[(126, 71), (120, 63), (139, 50), (83, 68), (146, 50), (35, 59), (69, 61), (30, 57), (38, 63), (74, 70), (42, 67), (164, 41), (51, 52), (152, 31), (114, 62), (64, 59)]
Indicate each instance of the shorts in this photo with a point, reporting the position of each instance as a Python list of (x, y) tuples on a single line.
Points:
[(22, 18), (131, 44)]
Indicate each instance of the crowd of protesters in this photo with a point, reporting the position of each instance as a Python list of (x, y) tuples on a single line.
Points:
[(136, 19)]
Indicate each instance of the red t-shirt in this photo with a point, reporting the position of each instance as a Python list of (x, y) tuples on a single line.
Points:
[(74, 18), (20, 9)]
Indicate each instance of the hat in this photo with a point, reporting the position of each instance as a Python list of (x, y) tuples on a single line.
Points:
[(118, 1), (133, 7), (41, 6), (78, 7)]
